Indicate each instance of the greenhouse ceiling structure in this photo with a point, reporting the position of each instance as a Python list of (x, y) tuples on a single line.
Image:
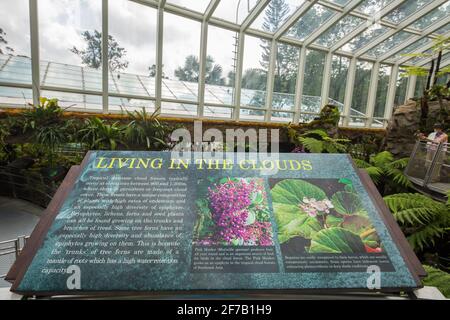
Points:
[(241, 60)]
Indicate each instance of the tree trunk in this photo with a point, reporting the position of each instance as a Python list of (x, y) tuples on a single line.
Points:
[(430, 74)]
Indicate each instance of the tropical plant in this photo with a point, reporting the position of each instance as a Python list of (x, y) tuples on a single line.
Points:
[(386, 172), (99, 134), (145, 129), (318, 141), (338, 224), (46, 113), (232, 211), (423, 219), (437, 278)]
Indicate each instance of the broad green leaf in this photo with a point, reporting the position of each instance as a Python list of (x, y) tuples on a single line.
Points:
[(292, 223), (336, 240), (333, 221), (251, 218), (348, 203), (356, 223), (292, 191)]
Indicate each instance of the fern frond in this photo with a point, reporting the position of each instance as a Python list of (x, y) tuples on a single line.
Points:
[(381, 159), (399, 164), (375, 173), (311, 144), (361, 163), (425, 237), (318, 132), (399, 177)]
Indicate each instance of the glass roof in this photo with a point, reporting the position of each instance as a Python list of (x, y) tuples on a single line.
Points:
[(310, 21), (364, 38), (339, 30), (406, 9), (389, 43), (370, 7), (288, 7), (233, 10), (437, 14)]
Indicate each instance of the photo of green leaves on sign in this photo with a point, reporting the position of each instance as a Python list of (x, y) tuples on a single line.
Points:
[(335, 224), (232, 211)]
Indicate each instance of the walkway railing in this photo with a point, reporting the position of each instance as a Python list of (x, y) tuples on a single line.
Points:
[(429, 166), (9, 251)]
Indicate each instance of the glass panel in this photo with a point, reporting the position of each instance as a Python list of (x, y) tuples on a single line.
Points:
[(357, 122), (437, 14), (361, 87), (443, 30), (75, 100), (389, 43), (384, 75), (15, 96), (70, 34), (305, 118), (217, 112), (197, 5), (364, 38), (15, 65), (421, 83), (339, 30), (15, 69), (250, 114), (312, 86), (180, 56), (285, 77), (254, 76), (220, 65), (338, 81), (370, 7), (310, 21), (412, 47), (123, 105), (282, 116), (406, 9), (275, 14), (234, 10), (179, 109), (133, 26), (340, 2), (400, 90)]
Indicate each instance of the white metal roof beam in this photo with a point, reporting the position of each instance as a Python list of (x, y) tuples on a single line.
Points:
[(364, 26), (401, 26), (328, 24), (212, 6), (405, 44), (254, 14), (294, 18)]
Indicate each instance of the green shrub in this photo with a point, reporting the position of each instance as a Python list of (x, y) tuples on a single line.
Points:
[(439, 279)]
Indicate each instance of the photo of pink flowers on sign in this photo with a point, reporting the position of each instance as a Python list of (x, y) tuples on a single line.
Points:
[(232, 211)]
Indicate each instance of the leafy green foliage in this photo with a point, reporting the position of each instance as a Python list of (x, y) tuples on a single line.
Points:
[(318, 141), (145, 129), (439, 279), (386, 172), (99, 134), (336, 240), (302, 209), (423, 219), (190, 71)]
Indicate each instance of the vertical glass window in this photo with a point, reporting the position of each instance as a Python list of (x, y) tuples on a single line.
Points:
[(339, 71), (15, 62), (254, 72), (361, 88), (400, 90), (220, 66), (133, 27), (384, 75), (285, 78), (70, 39), (421, 83), (312, 86), (180, 58)]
